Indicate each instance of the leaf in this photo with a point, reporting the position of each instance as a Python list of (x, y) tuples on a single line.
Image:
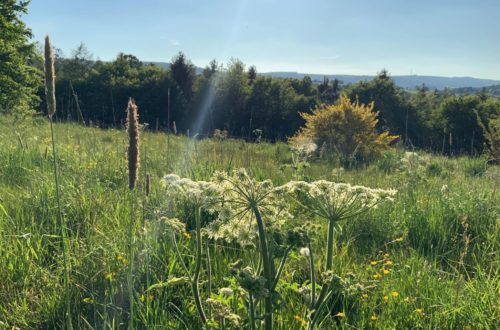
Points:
[(174, 281)]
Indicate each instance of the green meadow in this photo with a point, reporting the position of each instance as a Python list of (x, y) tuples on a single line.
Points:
[(428, 260)]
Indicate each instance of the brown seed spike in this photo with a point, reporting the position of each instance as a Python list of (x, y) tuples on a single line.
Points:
[(133, 143), (50, 90)]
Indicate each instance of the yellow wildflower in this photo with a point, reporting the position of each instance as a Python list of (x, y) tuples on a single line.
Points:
[(340, 314), (394, 294), (373, 263), (386, 255), (388, 262), (377, 275), (385, 297), (374, 317), (386, 271), (109, 276), (364, 296), (187, 235), (419, 311)]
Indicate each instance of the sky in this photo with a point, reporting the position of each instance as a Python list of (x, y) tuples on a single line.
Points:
[(426, 37)]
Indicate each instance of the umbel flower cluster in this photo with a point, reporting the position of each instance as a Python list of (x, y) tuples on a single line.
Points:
[(250, 212), (336, 201)]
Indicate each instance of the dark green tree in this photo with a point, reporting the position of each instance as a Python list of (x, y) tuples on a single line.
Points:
[(19, 80)]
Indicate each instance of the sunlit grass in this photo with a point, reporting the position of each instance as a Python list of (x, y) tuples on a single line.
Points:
[(411, 247)]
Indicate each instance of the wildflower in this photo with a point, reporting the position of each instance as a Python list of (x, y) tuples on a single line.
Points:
[(298, 318), (186, 235), (386, 255), (386, 271), (121, 259), (394, 294), (109, 276), (305, 252), (373, 317), (377, 276), (386, 297), (373, 263), (221, 311), (340, 314), (226, 292), (419, 311), (388, 262), (445, 189), (364, 296), (88, 300)]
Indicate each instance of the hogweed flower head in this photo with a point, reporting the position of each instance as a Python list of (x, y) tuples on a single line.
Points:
[(336, 201), (241, 194)]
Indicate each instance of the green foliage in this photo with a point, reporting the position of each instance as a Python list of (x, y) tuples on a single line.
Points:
[(19, 81)]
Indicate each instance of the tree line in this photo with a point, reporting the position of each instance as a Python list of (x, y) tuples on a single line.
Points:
[(245, 104)]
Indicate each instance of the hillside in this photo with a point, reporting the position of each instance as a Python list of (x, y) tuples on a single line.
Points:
[(419, 261), (404, 81)]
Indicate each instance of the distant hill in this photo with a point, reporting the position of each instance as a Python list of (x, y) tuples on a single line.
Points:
[(493, 90), (409, 82)]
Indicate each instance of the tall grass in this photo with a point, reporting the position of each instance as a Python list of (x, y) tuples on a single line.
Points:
[(419, 239)]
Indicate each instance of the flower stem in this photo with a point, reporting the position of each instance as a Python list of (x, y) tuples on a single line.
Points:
[(252, 311), (329, 265), (62, 228), (196, 277), (312, 275), (266, 263)]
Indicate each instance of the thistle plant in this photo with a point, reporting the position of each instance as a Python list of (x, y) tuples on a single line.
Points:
[(51, 110), (332, 202)]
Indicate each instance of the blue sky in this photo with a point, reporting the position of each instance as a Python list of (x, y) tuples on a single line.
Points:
[(426, 37)]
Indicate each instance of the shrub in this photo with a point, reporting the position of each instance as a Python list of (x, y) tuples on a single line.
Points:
[(347, 128), (491, 133)]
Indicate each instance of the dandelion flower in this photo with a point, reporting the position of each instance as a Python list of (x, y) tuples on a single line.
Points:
[(373, 263), (340, 314), (186, 235), (419, 311), (373, 317), (377, 276), (386, 271), (388, 262), (386, 297), (394, 294), (364, 296), (386, 255), (109, 276)]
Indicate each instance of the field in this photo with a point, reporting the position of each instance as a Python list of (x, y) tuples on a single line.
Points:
[(428, 260)]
